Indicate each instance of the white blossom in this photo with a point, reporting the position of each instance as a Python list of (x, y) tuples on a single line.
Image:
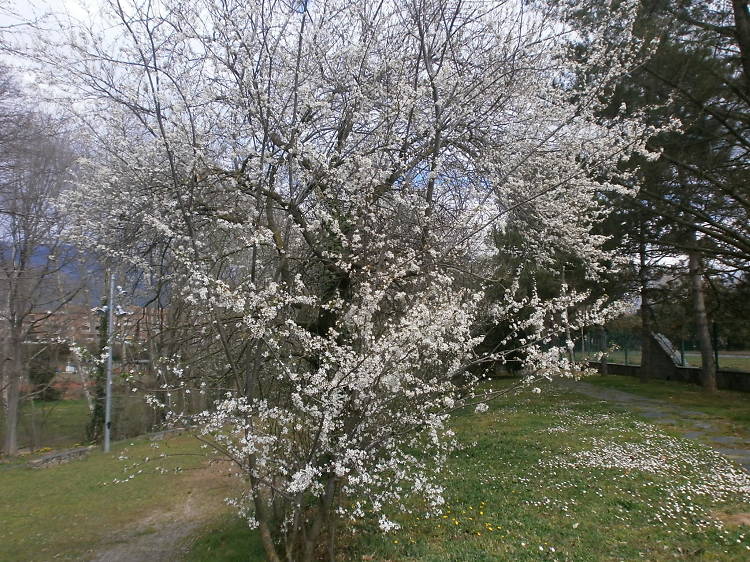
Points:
[(316, 184)]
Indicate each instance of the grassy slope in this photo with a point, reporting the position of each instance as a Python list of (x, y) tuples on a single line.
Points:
[(63, 511), (55, 425), (532, 477)]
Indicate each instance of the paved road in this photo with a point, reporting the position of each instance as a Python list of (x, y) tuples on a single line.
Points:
[(700, 426)]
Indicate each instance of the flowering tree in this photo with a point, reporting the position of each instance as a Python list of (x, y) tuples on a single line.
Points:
[(320, 178)]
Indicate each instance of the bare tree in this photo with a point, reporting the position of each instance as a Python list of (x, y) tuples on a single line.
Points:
[(34, 163)]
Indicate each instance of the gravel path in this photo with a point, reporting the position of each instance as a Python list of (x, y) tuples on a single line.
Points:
[(699, 426)]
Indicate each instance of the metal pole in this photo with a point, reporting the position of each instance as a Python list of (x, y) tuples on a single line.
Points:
[(108, 388)]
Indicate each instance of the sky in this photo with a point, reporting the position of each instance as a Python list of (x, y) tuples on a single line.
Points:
[(15, 16), (29, 9)]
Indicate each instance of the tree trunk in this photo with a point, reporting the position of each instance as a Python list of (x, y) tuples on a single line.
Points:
[(262, 514), (94, 430), (647, 356), (14, 372), (323, 520), (708, 370), (10, 446), (85, 382), (742, 34)]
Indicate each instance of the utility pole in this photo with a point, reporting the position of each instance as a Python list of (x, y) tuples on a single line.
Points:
[(108, 387)]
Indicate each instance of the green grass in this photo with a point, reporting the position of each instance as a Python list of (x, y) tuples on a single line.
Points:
[(64, 511), (562, 472), (229, 540), (55, 425), (729, 406), (726, 361), (535, 473)]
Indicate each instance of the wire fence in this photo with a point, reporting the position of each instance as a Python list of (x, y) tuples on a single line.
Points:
[(624, 347)]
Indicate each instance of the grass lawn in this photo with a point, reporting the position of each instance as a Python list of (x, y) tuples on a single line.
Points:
[(63, 511), (557, 477), (227, 540), (729, 406), (727, 360), (539, 477), (55, 425)]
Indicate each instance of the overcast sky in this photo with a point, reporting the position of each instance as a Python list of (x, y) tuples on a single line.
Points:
[(15, 16), (30, 9)]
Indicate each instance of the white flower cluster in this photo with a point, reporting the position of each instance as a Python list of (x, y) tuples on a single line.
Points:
[(681, 470)]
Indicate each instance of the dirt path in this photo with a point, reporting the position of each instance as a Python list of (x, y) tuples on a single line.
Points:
[(165, 536), (157, 539), (693, 424)]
